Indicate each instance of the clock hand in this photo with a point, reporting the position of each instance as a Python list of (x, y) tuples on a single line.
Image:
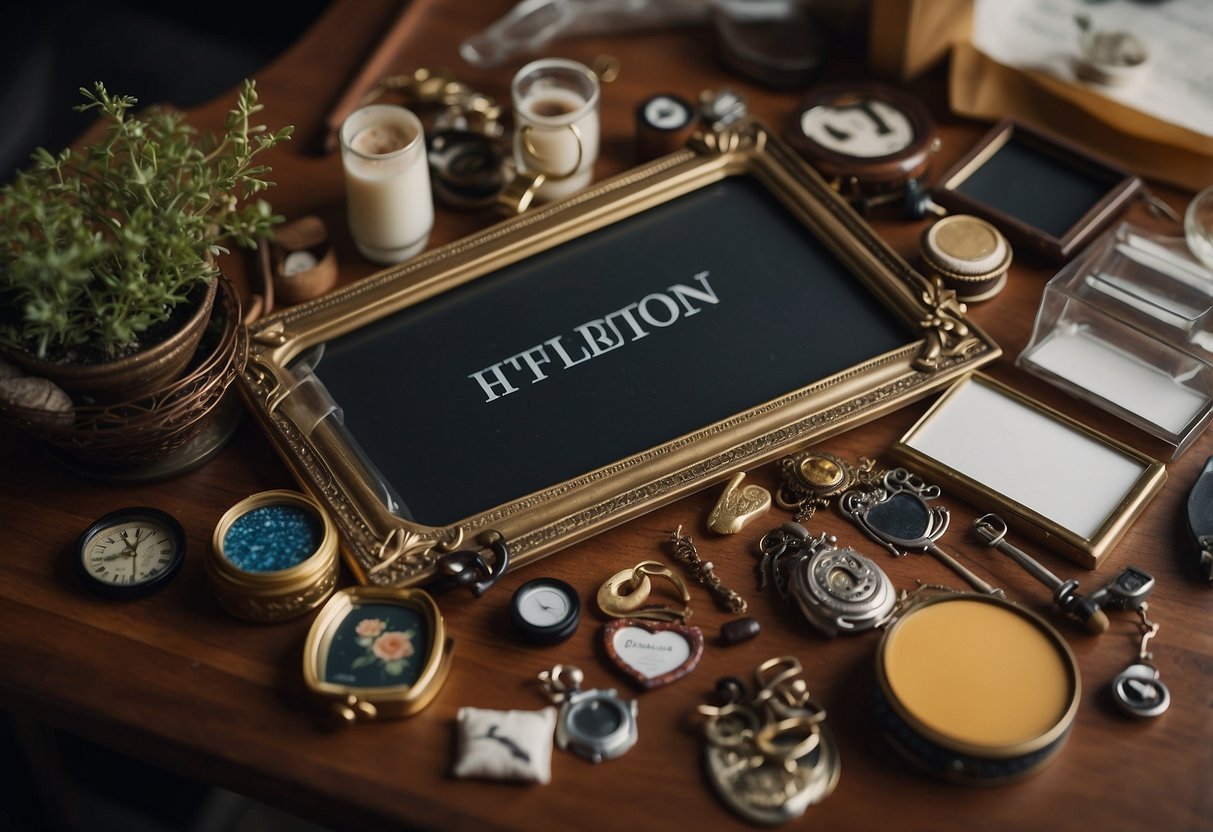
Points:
[(881, 126), (840, 135)]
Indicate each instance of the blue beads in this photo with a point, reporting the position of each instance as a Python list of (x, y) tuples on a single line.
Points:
[(271, 538)]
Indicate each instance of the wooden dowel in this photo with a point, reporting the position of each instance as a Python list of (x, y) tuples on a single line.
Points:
[(375, 68)]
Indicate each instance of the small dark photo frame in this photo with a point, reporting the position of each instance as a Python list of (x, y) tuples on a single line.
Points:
[(1045, 193)]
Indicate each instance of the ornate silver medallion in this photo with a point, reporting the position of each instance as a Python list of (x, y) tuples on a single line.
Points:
[(839, 590)]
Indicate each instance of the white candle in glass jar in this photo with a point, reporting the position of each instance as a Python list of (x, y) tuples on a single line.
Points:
[(387, 182), (556, 124)]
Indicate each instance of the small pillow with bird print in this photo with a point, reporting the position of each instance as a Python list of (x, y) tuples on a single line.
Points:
[(505, 745)]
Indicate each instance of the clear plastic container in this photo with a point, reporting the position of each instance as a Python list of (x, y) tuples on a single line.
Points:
[(1126, 326)]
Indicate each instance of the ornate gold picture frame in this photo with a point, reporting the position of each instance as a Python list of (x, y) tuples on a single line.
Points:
[(477, 388)]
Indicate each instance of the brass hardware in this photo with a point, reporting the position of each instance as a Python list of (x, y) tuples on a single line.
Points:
[(812, 478), (624, 594), (738, 506), (684, 550)]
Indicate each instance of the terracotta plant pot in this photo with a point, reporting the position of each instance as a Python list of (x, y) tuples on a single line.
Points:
[(134, 376)]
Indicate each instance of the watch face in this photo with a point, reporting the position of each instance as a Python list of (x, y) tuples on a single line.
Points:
[(543, 606), (546, 610), (597, 718), (130, 552), (863, 138), (859, 126)]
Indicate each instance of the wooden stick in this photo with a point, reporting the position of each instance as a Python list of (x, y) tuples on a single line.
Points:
[(372, 71)]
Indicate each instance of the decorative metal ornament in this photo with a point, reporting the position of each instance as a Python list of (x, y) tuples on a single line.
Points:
[(1137, 690), (737, 506), (839, 590), (625, 594), (769, 756), (812, 478), (897, 516), (684, 551), (595, 724)]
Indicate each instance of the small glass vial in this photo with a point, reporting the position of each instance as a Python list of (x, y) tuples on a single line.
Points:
[(273, 557)]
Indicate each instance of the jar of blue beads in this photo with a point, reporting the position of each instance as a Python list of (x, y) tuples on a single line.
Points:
[(273, 556)]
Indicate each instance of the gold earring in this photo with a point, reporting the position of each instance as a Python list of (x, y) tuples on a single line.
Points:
[(624, 594)]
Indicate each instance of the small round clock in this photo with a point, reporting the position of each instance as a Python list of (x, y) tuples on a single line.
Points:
[(545, 610), (864, 139), (130, 552)]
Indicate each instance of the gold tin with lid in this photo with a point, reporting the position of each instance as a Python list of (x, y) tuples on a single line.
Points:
[(970, 255), (273, 557), (975, 689)]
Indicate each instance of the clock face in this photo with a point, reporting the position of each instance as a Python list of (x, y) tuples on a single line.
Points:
[(864, 138), (543, 606), (130, 552), (859, 126), (545, 610)]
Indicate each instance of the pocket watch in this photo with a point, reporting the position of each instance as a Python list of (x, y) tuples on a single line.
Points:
[(864, 139), (545, 610), (130, 552)]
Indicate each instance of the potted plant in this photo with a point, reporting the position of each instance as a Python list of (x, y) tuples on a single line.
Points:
[(108, 253)]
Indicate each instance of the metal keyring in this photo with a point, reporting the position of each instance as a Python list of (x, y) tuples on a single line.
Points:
[(765, 740)]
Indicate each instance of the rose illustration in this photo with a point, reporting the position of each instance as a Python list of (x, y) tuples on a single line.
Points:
[(389, 650), (370, 627), (392, 646)]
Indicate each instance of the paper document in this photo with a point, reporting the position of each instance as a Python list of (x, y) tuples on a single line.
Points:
[(1043, 36)]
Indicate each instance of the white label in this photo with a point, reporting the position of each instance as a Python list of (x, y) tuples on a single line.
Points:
[(652, 654)]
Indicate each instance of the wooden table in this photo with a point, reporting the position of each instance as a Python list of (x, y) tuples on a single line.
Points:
[(174, 680)]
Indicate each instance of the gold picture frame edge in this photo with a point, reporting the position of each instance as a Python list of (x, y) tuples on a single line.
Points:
[(565, 513), (1087, 552)]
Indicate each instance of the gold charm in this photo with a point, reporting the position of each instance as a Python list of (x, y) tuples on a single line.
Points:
[(811, 478), (738, 506), (624, 594), (684, 550)]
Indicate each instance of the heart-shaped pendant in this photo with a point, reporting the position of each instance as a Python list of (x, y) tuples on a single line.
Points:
[(652, 653)]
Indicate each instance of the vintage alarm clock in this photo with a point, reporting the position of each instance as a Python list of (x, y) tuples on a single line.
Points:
[(865, 139), (131, 552)]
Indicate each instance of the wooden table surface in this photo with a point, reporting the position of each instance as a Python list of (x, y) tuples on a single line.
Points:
[(174, 680)]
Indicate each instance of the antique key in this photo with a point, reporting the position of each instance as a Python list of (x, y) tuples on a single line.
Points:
[(897, 516), (993, 530)]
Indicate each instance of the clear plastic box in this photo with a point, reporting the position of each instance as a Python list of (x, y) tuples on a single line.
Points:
[(1127, 326)]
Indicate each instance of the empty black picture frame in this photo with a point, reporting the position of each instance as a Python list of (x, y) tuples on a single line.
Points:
[(754, 344), (1046, 194)]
